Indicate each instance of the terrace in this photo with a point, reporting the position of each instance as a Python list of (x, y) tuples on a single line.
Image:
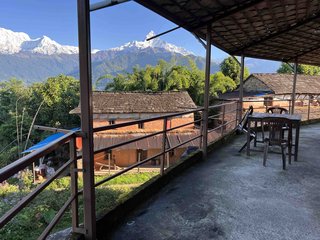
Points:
[(239, 186), (232, 196)]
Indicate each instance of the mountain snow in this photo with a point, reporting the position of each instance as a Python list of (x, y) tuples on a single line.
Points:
[(15, 42), (154, 43), (10, 42)]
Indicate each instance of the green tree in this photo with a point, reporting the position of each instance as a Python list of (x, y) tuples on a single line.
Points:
[(60, 95), (219, 83), (231, 68), (301, 69)]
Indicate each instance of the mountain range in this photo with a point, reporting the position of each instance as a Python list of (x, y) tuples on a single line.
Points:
[(34, 60)]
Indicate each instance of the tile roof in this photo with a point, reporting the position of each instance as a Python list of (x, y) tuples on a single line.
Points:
[(282, 83), (140, 102)]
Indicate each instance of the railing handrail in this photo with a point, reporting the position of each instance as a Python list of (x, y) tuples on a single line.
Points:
[(25, 161), (134, 122)]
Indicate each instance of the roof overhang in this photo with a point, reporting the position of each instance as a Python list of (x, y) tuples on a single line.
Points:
[(281, 30)]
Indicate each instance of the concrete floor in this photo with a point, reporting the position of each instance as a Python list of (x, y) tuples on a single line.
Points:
[(232, 196)]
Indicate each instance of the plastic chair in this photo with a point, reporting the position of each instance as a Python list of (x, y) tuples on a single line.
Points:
[(275, 127)]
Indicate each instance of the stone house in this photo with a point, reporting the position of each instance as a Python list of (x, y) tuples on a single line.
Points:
[(273, 89), (117, 107)]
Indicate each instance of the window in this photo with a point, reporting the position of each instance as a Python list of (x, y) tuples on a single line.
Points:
[(141, 125), (111, 122)]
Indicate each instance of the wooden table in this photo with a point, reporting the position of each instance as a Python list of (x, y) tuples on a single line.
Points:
[(294, 119)]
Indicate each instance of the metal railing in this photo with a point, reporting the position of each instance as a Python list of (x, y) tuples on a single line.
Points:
[(307, 106), (224, 119)]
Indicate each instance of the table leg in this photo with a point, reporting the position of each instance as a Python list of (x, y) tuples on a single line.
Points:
[(255, 129), (248, 137), (296, 147)]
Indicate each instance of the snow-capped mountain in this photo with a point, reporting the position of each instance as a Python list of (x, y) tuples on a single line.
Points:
[(15, 42), (34, 60), (155, 43)]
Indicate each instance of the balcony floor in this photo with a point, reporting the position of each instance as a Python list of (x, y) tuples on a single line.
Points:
[(232, 196)]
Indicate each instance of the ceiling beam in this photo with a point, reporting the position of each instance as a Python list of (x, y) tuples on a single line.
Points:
[(278, 33)]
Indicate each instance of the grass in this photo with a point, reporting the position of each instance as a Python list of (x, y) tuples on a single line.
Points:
[(33, 219)]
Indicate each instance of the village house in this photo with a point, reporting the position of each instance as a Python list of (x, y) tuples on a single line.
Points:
[(117, 107), (263, 90)]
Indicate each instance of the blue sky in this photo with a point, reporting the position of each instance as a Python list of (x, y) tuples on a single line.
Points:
[(110, 27)]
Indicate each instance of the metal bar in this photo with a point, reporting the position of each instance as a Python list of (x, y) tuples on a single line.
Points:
[(206, 93), (125, 170), (105, 3), (200, 40), (183, 125), (25, 161), (125, 124), (241, 86), (74, 185), (219, 114), (56, 218), (222, 104), (86, 118), (127, 142), (293, 96), (164, 142), (183, 143), (51, 129), (163, 33), (309, 103), (24, 201), (141, 162), (216, 128), (223, 115)]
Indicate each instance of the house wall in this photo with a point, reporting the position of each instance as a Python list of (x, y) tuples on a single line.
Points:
[(148, 126), (127, 157)]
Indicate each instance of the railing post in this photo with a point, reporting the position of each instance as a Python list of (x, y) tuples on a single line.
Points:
[(201, 132), (241, 86), (164, 141), (89, 201), (74, 185), (206, 93), (223, 116), (309, 106)]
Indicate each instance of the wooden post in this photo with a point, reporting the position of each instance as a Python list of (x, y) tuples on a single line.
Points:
[(241, 87), (309, 105), (206, 94), (293, 96), (86, 119)]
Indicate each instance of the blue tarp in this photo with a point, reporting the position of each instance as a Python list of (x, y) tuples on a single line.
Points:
[(47, 141)]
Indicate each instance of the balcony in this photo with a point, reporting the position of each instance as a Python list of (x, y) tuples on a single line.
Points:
[(232, 196)]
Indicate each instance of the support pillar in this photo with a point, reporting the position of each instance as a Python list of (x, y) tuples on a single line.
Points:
[(206, 94), (86, 118), (241, 87), (293, 96)]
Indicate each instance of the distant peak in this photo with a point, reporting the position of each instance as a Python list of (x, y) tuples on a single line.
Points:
[(150, 34)]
